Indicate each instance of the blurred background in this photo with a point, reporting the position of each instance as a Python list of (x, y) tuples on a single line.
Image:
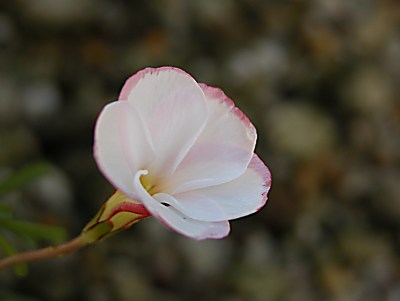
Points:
[(318, 78)]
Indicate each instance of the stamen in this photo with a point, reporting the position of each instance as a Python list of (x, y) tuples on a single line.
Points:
[(143, 193), (141, 189)]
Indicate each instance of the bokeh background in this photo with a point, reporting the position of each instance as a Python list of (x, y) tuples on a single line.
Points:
[(318, 78)]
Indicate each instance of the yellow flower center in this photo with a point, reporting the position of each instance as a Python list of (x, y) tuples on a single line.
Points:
[(149, 183)]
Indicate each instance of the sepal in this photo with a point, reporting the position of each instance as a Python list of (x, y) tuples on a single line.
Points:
[(118, 213)]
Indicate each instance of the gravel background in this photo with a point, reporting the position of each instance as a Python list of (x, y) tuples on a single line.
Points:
[(319, 79)]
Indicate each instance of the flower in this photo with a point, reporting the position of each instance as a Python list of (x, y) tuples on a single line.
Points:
[(183, 150)]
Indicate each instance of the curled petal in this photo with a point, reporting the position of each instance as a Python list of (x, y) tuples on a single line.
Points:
[(240, 197), (176, 221), (222, 151)]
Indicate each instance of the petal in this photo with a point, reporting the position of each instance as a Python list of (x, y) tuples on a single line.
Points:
[(240, 197), (121, 145), (223, 150), (176, 221), (173, 107)]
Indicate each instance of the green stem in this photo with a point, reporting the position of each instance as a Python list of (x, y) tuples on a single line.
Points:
[(117, 214), (45, 253)]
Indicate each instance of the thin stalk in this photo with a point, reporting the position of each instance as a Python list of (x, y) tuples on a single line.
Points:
[(45, 253)]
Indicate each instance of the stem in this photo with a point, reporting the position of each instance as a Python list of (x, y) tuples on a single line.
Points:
[(45, 253)]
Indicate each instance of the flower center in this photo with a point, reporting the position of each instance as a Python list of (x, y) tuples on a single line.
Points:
[(145, 186), (148, 183)]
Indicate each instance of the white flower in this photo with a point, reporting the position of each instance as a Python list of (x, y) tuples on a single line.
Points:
[(183, 150)]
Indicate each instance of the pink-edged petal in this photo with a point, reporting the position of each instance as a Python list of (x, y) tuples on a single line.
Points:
[(240, 197), (174, 109), (121, 145), (176, 221), (222, 151)]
